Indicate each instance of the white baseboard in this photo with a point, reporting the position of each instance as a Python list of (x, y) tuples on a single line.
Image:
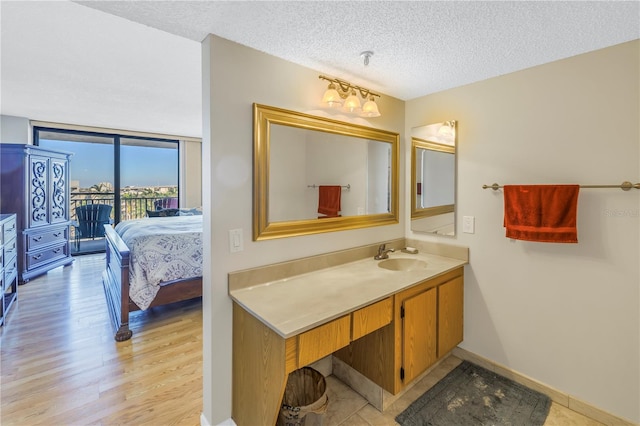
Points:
[(205, 422), (559, 397), (228, 422)]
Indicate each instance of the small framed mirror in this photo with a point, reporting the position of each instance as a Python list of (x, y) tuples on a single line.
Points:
[(433, 178), (299, 159)]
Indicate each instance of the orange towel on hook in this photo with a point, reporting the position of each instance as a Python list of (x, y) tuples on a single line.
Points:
[(329, 200), (544, 213)]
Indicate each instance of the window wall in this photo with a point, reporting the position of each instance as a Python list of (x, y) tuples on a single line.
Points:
[(132, 174)]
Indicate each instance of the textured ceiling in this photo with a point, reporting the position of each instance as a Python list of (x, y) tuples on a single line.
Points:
[(138, 66), (420, 47)]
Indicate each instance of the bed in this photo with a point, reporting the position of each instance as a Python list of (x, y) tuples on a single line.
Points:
[(151, 262)]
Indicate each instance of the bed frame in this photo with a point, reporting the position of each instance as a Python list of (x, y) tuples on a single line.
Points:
[(115, 280)]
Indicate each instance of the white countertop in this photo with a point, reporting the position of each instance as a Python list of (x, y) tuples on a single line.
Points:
[(296, 304)]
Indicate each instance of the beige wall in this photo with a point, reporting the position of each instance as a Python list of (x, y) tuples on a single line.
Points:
[(14, 129), (190, 173), (565, 315), (234, 77)]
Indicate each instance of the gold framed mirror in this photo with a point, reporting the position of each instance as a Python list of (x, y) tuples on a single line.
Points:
[(433, 178), (295, 154)]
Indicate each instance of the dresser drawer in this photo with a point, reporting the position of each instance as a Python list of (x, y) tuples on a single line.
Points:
[(9, 278), (48, 237), (10, 266), (9, 230), (10, 249), (37, 258)]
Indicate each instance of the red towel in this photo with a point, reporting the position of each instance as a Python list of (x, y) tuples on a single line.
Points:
[(329, 200), (544, 213)]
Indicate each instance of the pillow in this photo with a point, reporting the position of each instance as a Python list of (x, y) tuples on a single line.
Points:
[(163, 213), (196, 211)]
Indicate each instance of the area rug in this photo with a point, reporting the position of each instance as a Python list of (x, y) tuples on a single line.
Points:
[(471, 396)]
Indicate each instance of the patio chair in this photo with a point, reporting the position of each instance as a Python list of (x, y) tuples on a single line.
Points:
[(165, 203), (91, 219)]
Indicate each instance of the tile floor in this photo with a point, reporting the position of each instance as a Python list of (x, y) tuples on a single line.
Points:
[(348, 408)]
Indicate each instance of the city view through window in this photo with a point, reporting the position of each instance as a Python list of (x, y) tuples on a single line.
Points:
[(135, 174)]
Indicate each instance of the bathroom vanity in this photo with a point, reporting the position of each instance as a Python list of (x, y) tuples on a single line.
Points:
[(388, 324)]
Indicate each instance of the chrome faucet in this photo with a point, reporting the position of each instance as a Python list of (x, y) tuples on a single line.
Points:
[(383, 252)]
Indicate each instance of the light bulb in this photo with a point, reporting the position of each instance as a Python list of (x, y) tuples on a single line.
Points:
[(370, 109), (352, 103), (331, 96)]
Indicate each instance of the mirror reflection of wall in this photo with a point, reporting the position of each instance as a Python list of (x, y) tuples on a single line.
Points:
[(435, 169), (296, 153), (433, 178), (303, 159)]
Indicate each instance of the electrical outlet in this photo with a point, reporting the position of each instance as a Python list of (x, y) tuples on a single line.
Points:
[(235, 240), (468, 224)]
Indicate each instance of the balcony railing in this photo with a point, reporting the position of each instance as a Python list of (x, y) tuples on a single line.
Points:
[(130, 207)]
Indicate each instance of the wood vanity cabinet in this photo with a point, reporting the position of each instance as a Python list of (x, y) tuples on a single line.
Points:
[(263, 359), (427, 325), (391, 341)]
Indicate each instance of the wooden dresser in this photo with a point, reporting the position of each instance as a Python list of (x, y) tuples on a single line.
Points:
[(8, 263), (34, 184)]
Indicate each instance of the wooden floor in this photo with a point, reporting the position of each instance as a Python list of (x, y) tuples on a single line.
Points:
[(61, 366)]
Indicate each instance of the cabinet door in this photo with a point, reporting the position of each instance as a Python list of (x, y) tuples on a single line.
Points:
[(419, 334), (450, 315), (59, 202), (38, 191)]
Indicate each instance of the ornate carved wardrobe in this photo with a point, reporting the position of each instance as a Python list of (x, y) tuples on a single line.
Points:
[(34, 184)]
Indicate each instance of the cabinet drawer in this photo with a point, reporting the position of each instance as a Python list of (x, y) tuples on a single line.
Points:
[(9, 230), (10, 268), (11, 249), (323, 340), (371, 318), (37, 258), (9, 278), (41, 239)]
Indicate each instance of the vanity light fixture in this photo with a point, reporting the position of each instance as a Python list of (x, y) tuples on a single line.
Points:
[(352, 103), (370, 108), (446, 129), (331, 96), (341, 92)]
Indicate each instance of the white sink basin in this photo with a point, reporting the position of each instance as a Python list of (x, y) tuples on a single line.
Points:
[(402, 264)]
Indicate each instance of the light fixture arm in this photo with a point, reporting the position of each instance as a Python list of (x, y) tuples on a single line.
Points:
[(346, 88)]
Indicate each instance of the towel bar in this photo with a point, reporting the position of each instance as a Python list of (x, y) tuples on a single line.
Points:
[(347, 187), (625, 186)]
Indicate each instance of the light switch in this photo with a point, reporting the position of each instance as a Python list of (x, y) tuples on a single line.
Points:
[(235, 240), (468, 224)]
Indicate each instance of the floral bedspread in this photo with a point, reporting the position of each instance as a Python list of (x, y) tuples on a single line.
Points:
[(161, 249)]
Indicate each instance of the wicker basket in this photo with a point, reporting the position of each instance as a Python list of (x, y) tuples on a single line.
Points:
[(306, 392)]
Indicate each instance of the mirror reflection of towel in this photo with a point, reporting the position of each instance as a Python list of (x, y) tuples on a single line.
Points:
[(329, 200), (544, 213)]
